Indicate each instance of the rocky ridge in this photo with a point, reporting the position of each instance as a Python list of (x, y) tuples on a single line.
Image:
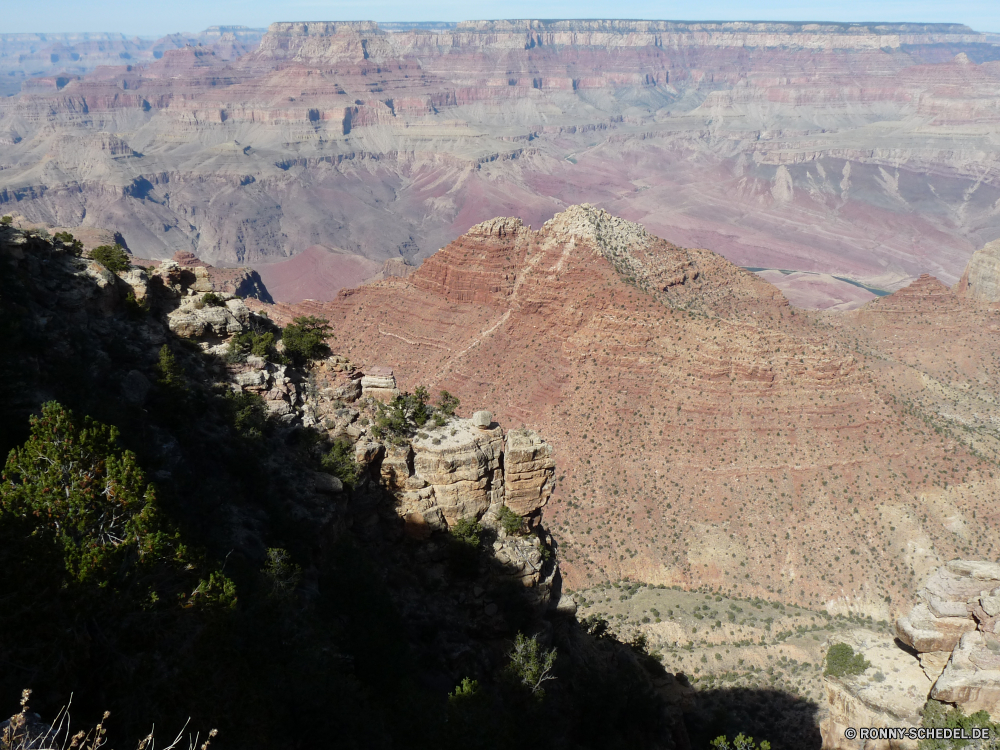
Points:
[(697, 415), (389, 144)]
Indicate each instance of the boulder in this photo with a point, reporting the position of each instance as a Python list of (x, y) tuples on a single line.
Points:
[(482, 419), (924, 632)]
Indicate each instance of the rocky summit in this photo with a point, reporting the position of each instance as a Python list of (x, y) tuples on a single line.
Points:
[(858, 152)]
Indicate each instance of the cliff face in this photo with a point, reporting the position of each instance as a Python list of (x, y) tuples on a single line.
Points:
[(950, 629), (981, 280), (391, 143)]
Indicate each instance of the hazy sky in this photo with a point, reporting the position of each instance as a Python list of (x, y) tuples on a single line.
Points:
[(146, 17)]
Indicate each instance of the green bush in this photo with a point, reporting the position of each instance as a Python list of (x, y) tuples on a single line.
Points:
[(305, 339), (67, 240), (257, 343), (6, 220), (212, 300), (510, 522), (941, 715), (448, 403), (248, 414), (841, 661), (531, 664), (740, 742), (112, 257), (467, 531), (340, 462), (71, 489)]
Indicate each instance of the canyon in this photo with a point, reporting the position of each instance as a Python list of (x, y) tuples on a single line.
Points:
[(709, 433), (830, 150)]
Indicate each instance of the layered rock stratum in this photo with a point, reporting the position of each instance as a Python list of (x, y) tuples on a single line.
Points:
[(708, 433), (864, 151)]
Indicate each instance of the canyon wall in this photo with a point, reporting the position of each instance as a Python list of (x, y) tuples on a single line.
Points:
[(863, 151), (708, 433)]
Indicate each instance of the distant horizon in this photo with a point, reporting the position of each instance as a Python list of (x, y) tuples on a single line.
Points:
[(188, 16), (429, 22)]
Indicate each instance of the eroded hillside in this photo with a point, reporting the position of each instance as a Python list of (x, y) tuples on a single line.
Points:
[(713, 435)]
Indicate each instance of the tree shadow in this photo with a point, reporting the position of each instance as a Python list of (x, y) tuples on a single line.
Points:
[(787, 721)]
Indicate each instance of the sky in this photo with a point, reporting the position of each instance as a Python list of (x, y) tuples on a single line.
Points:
[(147, 18)]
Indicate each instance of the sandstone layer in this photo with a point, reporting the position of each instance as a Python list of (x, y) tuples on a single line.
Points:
[(858, 150), (708, 433)]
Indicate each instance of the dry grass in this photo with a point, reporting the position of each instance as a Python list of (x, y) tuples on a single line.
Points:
[(26, 731)]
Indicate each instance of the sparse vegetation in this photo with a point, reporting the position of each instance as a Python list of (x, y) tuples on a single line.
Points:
[(340, 462), (510, 522), (112, 257), (841, 661), (305, 339)]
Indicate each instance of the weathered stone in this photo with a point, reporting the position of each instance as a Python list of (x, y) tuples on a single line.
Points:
[(991, 604), (482, 419), (924, 632), (327, 484), (379, 383), (862, 701), (459, 473), (529, 472), (972, 678), (933, 663)]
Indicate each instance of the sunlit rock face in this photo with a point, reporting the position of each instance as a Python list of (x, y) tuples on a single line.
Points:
[(862, 151)]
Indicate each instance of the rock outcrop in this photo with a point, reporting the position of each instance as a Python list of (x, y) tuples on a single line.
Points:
[(890, 693), (379, 383), (981, 280), (957, 661)]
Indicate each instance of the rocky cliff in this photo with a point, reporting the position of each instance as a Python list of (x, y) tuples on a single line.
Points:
[(946, 651), (389, 143), (981, 280)]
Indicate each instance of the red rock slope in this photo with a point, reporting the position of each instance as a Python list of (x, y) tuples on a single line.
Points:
[(705, 432)]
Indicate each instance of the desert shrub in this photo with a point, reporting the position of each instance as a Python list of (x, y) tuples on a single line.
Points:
[(841, 661), (70, 242), (468, 531), (212, 300), (531, 664), (112, 257), (740, 742), (400, 416), (510, 522), (340, 462), (448, 403), (305, 339), (417, 406), (940, 715), (257, 343), (135, 309), (248, 414), (6, 220)]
